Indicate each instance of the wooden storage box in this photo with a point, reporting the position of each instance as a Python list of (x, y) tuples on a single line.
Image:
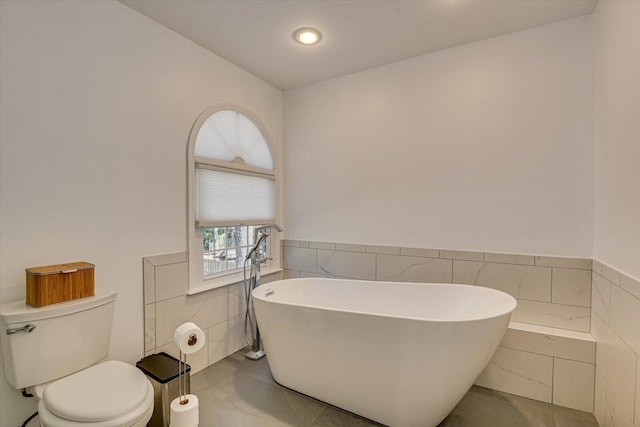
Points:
[(52, 284)]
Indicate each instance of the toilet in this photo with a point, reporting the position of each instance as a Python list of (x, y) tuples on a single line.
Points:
[(57, 353)]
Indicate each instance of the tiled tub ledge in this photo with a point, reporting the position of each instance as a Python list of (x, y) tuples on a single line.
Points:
[(546, 364)]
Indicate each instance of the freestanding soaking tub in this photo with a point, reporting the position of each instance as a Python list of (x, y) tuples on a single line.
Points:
[(401, 354)]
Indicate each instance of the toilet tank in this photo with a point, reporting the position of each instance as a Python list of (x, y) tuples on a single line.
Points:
[(64, 338)]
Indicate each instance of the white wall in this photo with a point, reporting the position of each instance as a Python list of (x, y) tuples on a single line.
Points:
[(97, 103), (616, 295), (617, 134), (486, 146)]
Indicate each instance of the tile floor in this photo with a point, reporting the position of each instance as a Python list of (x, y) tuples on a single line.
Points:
[(241, 392)]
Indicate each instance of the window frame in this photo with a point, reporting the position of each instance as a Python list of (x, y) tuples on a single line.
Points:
[(197, 281)]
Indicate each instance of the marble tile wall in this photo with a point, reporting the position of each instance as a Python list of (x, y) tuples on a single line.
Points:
[(219, 312), (547, 353), (615, 323), (547, 364), (551, 291)]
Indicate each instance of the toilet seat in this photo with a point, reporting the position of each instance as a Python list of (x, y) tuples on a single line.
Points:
[(109, 394)]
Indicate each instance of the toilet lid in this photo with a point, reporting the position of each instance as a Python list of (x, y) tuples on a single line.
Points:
[(100, 393)]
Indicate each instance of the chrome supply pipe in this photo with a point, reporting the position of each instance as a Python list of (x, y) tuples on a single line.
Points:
[(256, 258)]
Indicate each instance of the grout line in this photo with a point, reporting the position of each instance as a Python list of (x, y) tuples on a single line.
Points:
[(553, 374), (452, 272), (551, 285), (316, 260), (155, 280), (547, 355), (609, 306), (375, 271)]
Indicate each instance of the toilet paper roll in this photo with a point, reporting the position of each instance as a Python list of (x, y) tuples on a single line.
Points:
[(185, 415), (189, 337)]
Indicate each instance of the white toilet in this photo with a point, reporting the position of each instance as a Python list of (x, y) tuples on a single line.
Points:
[(53, 352)]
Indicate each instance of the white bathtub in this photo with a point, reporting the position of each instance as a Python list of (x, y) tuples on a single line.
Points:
[(401, 354)]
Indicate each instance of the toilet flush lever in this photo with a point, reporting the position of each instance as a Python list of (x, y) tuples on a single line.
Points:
[(26, 328)]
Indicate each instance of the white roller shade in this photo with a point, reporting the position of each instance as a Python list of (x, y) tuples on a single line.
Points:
[(233, 198)]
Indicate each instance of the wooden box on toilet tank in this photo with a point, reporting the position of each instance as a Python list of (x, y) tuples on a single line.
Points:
[(52, 284)]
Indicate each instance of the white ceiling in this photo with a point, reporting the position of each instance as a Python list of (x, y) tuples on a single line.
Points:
[(256, 35)]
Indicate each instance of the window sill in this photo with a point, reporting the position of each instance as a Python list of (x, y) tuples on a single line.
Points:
[(229, 279)]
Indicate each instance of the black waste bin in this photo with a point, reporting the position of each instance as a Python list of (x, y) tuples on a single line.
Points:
[(162, 370)]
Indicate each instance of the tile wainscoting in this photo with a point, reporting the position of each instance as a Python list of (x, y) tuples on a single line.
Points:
[(219, 312), (565, 306), (615, 325), (551, 291)]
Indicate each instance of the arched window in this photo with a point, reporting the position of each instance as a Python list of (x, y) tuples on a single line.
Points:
[(232, 190)]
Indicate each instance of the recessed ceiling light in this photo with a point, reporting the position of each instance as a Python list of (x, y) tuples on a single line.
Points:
[(307, 35)]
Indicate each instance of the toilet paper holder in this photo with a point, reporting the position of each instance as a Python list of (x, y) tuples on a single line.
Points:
[(182, 378), (193, 339), (182, 382), (184, 409)]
